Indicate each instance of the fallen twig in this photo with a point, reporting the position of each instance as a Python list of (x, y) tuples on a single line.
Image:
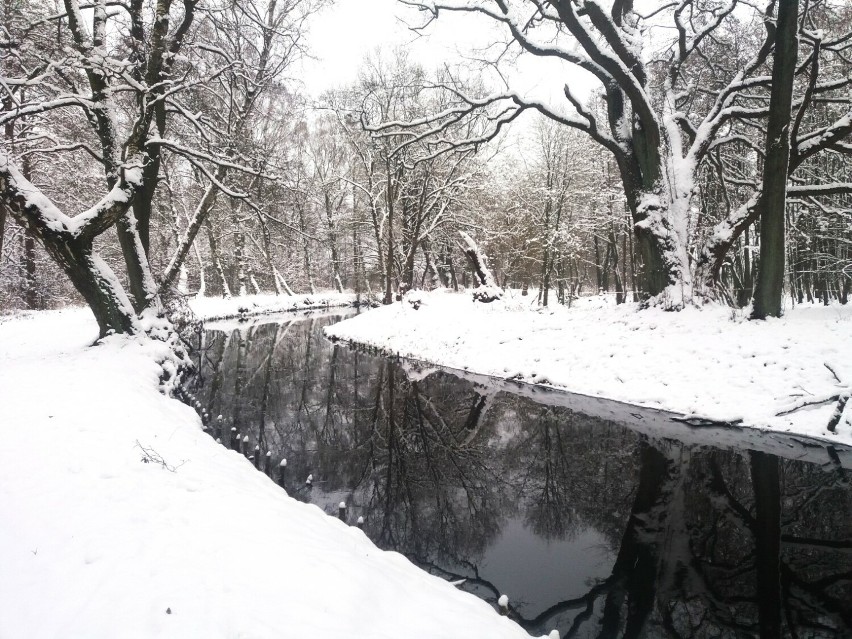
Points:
[(151, 456)]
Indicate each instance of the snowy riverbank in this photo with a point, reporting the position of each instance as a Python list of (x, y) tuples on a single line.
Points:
[(97, 543), (213, 308), (708, 363)]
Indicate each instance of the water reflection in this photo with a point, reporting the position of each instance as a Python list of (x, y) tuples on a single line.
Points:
[(588, 526)]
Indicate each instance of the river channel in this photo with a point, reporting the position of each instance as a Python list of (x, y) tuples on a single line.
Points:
[(594, 518)]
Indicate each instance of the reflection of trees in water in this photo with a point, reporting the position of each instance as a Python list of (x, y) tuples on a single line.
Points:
[(705, 542), (572, 471), (709, 551)]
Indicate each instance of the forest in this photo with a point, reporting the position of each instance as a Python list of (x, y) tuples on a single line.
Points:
[(154, 151)]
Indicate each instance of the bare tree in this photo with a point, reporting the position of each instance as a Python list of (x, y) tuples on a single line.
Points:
[(112, 76)]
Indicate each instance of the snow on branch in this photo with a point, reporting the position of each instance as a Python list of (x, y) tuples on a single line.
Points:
[(44, 106), (510, 105), (225, 161), (23, 198), (520, 32), (835, 188), (28, 203), (813, 142)]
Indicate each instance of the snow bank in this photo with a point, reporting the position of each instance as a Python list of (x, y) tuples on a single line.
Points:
[(210, 308), (709, 363), (96, 542)]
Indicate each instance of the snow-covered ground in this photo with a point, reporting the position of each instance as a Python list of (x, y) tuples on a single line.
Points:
[(95, 542), (210, 308), (709, 363)]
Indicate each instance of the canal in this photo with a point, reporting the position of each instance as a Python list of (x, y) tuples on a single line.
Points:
[(594, 518)]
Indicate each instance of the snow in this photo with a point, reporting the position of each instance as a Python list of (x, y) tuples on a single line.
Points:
[(212, 308), (96, 542), (707, 363)]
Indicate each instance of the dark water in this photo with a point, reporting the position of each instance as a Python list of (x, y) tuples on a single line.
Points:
[(589, 526)]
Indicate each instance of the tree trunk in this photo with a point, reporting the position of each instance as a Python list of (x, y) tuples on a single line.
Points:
[(202, 281), (431, 270), (135, 260), (598, 270), (239, 257), (30, 288), (544, 287), (408, 267), (388, 298), (664, 263), (619, 283), (332, 240), (217, 260), (306, 253), (442, 268), (453, 278), (95, 281), (2, 231), (199, 217), (9, 134), (358, 267), (768, 295)]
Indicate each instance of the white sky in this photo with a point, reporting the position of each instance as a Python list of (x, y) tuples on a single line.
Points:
[(344, 33)]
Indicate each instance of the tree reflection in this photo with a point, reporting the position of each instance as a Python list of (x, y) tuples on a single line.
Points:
[(699, 542)]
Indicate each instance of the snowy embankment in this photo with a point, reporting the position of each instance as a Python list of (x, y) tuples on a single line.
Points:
[(707, 364), (213, 308), (121, 518)]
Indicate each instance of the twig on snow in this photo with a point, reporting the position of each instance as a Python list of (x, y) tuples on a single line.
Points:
[(151, 456), (841, 396)]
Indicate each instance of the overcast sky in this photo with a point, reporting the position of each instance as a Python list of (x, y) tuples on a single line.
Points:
[(344, 33)]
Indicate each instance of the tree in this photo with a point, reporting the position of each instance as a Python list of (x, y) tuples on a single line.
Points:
[(412, 194), (111, 60), (137, 88)]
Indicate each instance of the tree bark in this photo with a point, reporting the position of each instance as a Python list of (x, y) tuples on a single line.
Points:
[(769, 288)]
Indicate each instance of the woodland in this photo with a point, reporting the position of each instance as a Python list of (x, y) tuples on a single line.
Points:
[(158, 150)]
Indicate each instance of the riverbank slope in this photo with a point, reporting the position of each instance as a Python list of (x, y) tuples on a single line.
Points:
[(121, 518), (708, 364)]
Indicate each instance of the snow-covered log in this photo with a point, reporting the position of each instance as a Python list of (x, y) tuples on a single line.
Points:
[(486, 289)]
